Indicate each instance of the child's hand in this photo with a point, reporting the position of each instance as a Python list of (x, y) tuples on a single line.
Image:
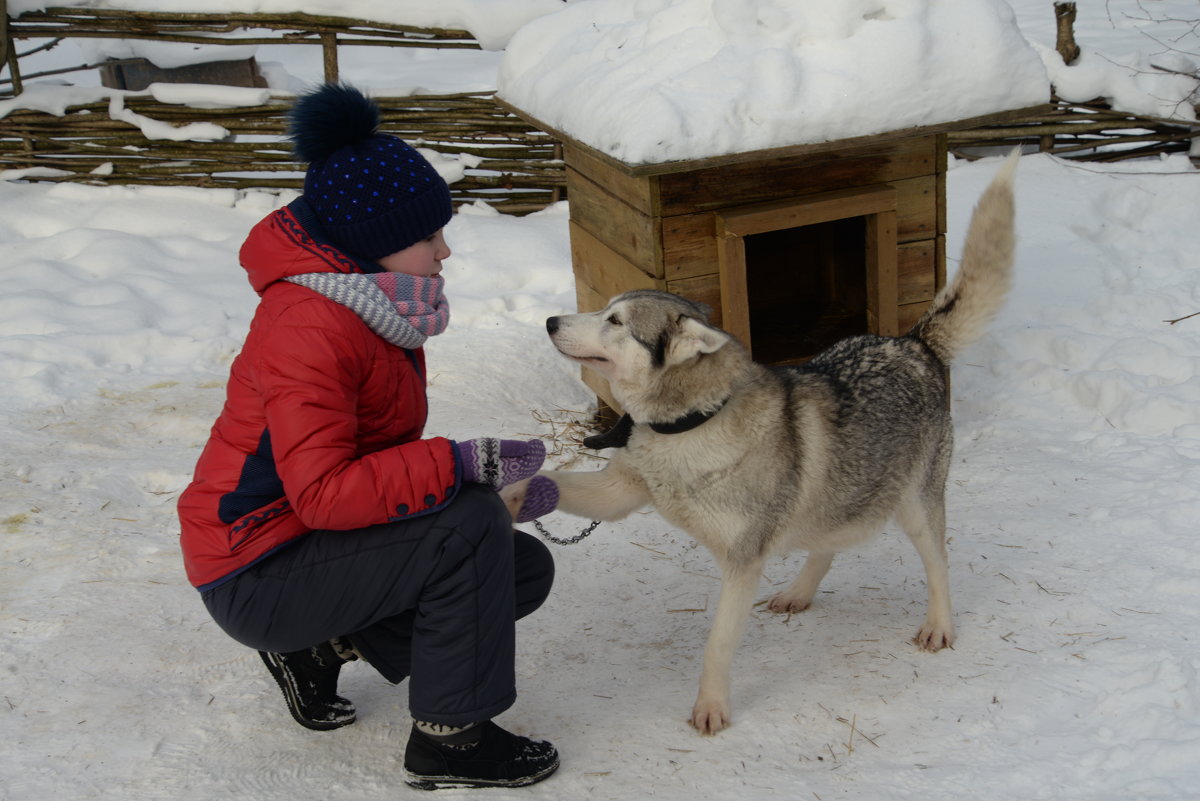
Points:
[(496, 463)]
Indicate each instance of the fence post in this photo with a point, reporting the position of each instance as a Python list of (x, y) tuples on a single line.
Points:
[(329, 50), (8, 51), (1064, 16)]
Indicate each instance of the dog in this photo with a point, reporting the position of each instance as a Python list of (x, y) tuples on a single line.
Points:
[(753, 460)]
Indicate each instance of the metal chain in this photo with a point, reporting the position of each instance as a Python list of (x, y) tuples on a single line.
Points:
[(569, 540)]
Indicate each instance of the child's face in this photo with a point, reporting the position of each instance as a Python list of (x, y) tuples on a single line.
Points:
[(422, 259)]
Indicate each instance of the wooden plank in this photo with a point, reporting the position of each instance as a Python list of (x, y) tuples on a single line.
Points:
[(908, 314), (881, 273), (640, 193), (588, 299), (735, 298), (606, 271), (939, 264), (916, 271), (797, 176), (916, 209), (811, 210), (633, 235), (689, 246), (941, 183), (704, 289)]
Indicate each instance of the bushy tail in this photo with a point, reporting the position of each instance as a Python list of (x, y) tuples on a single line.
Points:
[(963, 308)]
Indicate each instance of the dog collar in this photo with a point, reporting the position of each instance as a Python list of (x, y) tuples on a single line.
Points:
[(685, 423), (618, 435)]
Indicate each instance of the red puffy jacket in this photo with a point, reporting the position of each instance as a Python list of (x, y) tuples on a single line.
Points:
[(323, 420)]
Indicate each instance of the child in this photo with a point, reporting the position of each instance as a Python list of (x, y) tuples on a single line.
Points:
[(321, 526)]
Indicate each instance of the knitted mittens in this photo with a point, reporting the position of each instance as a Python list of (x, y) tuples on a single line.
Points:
[(496, 463), (541, 498)]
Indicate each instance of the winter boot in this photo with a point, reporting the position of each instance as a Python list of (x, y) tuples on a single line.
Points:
[(484, 755), (308, 679)]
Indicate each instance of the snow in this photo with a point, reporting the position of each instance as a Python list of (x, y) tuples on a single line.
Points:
[(673, 80), (1073, 504)]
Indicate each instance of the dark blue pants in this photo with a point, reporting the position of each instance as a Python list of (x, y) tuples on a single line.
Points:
[(435, 598)]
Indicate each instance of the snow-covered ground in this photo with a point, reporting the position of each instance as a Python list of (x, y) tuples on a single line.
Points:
[(1073, 507)]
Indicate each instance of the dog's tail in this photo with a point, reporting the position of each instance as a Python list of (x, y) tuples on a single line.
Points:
[(963, 308)]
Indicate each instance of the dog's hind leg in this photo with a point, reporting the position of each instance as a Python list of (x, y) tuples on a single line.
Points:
[(738, 585), (924, 521), (798, 596)]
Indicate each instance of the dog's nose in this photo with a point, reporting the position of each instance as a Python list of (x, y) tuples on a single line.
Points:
[(551, 325)]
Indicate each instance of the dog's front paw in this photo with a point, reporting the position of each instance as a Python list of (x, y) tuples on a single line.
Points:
[(784, 603), (934, 637), (709, 716)]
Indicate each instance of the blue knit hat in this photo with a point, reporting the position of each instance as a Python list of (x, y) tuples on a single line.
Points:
[(371, 192)]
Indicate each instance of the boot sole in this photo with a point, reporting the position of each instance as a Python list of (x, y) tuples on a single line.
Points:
[(293, 699), (419, 782)]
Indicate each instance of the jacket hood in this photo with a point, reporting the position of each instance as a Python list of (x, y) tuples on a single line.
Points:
[(290, 242)]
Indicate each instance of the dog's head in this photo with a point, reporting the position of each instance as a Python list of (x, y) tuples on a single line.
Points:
[(636, 335)]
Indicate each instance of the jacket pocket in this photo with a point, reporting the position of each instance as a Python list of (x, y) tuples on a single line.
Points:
[(244, 528)]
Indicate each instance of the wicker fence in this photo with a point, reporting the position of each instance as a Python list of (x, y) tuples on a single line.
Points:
[(508, 164), (1081, 131)]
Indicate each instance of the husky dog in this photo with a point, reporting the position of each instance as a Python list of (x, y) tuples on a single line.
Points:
[(754, 460)]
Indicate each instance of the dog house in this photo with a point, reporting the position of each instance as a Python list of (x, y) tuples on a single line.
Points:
[(793, 248)]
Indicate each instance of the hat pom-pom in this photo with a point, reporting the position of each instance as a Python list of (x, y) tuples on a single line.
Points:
[(331, 117)]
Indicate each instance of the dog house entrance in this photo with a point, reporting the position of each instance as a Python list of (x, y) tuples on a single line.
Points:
[(797, 276)]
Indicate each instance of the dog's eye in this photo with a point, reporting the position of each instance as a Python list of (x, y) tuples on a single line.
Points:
[(613, 319)]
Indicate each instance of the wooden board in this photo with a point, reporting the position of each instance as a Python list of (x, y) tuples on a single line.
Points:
[(689, 246), (640, 193), (624, 229), (908, 315), (916, 275), (796, 176), (602, 268), (704, 289), (881, 274), (588, 299)]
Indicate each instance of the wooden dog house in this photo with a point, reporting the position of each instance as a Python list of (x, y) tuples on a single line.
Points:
[(793, 248)]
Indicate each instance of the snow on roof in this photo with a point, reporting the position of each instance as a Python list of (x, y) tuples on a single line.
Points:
[(491, 22), (651, 81)]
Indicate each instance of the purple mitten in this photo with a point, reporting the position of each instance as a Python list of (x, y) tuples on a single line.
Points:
[(541, 498), (497, 463)]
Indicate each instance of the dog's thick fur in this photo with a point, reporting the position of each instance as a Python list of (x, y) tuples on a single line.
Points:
[(818, 456)]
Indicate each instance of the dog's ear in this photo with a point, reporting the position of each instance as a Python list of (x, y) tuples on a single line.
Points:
[(695, 338)]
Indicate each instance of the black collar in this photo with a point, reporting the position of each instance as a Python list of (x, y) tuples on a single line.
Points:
[(618, 435), (686, 423)]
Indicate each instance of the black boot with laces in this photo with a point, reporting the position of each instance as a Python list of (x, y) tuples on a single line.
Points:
[(308, 679), (482, 756)]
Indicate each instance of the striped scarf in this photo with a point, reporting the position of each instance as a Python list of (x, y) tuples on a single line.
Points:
[(403, 309)]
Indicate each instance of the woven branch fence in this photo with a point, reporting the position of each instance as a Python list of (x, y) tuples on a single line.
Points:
[(1081, 131), (509, 164)]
